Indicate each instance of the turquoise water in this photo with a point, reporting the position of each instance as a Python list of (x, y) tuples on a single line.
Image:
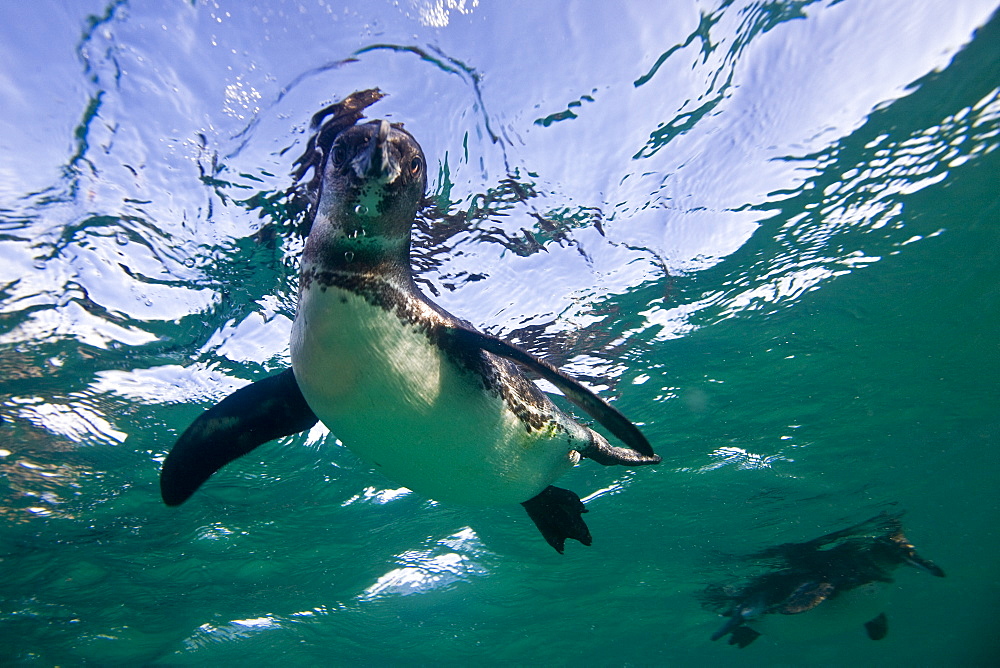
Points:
[(767, 231)]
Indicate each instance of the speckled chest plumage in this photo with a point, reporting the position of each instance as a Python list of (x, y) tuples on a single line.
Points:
[(455, 425)]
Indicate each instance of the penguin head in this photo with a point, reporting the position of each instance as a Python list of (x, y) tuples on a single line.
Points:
[(895, 549), (373, 181)]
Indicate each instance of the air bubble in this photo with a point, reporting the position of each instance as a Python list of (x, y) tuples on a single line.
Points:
[(349, 256), (361, 210)]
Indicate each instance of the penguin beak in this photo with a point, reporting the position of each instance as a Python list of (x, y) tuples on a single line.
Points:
[(376, 161), (917, 561), (910, 556)]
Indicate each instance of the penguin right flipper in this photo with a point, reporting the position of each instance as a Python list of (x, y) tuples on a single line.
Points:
[(793, 552), (248, 417), (557, 514), (597, 408)]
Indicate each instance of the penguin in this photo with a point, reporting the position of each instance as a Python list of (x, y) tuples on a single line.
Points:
[(831, 567), (420, 394)]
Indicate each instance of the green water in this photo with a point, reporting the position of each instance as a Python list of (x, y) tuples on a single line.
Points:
[(804, 321)]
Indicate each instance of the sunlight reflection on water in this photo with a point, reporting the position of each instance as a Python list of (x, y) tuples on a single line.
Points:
[(428, 570)]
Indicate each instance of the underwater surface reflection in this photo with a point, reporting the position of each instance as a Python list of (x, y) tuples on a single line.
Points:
[(766, 231)]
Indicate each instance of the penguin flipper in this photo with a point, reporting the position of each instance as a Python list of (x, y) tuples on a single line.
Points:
[(594, 406), (557, 514), (248, 417), (794, 552), (878, 627)]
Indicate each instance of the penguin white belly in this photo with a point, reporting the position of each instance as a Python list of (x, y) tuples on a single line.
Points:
[(400, 403)]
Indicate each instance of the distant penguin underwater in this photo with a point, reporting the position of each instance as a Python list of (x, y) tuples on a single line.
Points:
[(820, 570), (421, 395)]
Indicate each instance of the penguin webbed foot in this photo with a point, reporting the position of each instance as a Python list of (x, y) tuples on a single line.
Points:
[(743, 636), (558, 513), (606, 454), (731, 625), (877, 628)]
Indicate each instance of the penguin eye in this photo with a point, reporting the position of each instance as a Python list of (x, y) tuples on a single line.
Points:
[(339, 155), (415, 166)]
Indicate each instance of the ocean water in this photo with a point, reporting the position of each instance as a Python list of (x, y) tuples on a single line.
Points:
[(767, 231)]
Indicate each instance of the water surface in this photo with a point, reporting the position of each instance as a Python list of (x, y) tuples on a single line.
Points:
[(766, 230)]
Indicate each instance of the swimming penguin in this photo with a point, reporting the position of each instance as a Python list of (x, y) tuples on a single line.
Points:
[(823, 569), (418, 393)]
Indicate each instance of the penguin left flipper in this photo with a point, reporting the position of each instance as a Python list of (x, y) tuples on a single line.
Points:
[(557, 514), (248, 417), (594, 406)]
